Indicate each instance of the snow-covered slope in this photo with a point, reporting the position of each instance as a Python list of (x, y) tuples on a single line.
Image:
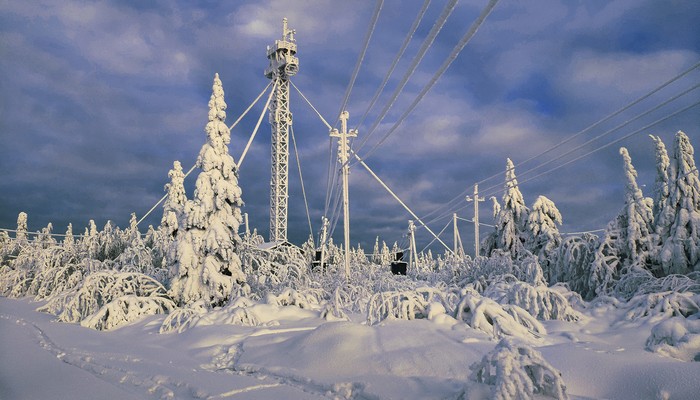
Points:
[(294, 354)]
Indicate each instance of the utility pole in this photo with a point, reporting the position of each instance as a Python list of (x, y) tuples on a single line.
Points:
[(412, 244), (476, 201), (343, 154), (283, 64)]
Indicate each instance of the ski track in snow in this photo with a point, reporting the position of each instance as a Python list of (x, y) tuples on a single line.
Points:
[(165, 387), (227, 361), (159, 386)]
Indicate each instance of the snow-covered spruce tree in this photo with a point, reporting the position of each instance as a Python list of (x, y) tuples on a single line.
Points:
[(208, 266), (69, 240), (511, 221), (661, 185), (640, 220), (174, 205), (21, 234), (488, 244), (680, 252), (544, 238)]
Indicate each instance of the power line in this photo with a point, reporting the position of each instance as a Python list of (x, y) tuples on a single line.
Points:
[(368, 36), (619, 111), (301, 179), (394, 63), (453, 55), (658, 121), (427, 42), (604, 119)]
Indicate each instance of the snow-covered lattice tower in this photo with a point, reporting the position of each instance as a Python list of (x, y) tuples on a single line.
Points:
[(283, 64)]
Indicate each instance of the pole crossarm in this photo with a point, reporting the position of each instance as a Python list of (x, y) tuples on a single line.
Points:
[(399, 200)]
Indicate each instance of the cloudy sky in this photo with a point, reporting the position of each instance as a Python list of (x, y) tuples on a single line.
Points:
[(97, 99)]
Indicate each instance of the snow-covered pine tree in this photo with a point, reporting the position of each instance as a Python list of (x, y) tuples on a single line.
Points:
[(174, 205), (21, 234), (661, 189), (488, 244), (376, 256), (69, 240), (680, 251), (511, 222), (639, 242), (544, 238), (208, 266)]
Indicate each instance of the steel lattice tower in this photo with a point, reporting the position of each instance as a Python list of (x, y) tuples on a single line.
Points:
[(283, 64)]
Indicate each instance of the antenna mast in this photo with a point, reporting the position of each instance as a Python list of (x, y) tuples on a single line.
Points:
[(283, 64)]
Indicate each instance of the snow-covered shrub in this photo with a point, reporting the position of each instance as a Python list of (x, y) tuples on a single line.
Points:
[(573, 263), (332, 310), (664, 305), (272, 270), (304, 299), (497, 320), (407, 304), (676, 337), (486, 270), (540, 301), (126, 309), (179, 319), (99, 289), (517, 371), (240, 311)]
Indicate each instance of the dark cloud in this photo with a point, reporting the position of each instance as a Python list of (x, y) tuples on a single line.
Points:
[(98, 99)]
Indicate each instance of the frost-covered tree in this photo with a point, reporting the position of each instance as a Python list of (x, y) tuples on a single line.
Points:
[(511, 220), (661, 189), (69, 240), (174, 205), (639, 244), (21, 234), (376, 255), (544, 238), (680, 251), (208, 266), (628, 243)]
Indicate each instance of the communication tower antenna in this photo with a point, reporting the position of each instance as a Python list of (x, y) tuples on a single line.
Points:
[(283, 64)]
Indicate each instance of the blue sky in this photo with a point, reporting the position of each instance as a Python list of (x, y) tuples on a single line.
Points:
[(97, 99)]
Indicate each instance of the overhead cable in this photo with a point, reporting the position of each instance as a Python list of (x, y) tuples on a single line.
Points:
[(453, 55), (358, 64), (427, 42), (394, 63)]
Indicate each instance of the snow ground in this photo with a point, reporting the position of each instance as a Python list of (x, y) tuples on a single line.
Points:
[(296, 355)]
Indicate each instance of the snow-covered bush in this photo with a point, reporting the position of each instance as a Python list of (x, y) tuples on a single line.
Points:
[(517, 371), (240, 311), (180, 318), (573, 263), (101, 288), (405, 304), (289, 297), (655, 307), (540, 301), (676, 337), (497, 320), (126, 309)]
